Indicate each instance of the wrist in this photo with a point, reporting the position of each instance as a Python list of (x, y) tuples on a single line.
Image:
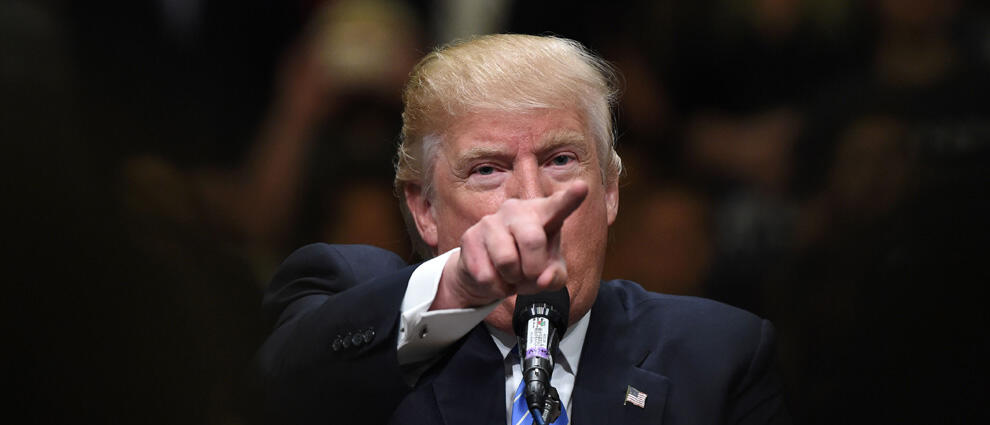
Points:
[(451, 293)]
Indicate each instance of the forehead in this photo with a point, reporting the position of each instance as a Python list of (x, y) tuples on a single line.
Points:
[(534, 129)]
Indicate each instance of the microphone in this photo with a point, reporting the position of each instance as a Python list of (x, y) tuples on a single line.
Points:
[(539, 321)]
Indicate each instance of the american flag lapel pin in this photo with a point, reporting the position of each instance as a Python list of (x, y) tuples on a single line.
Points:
[(635, 396)]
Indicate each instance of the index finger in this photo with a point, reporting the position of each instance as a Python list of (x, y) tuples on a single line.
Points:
[(561, 204)]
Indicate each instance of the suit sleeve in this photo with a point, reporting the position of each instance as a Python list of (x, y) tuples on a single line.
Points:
[(758, 399), (332, 353)]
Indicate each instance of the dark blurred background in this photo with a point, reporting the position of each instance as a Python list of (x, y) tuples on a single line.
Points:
[(822, 163)]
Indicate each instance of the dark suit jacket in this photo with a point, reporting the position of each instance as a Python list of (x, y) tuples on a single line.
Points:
[(332, 355)]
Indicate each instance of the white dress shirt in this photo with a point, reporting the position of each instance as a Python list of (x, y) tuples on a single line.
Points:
[(423, 334)]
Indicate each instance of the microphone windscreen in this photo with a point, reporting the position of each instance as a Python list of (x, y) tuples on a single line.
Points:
[(559, 301)]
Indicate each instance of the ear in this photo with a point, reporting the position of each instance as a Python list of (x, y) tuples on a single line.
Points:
[(421, 209), (612, 200)]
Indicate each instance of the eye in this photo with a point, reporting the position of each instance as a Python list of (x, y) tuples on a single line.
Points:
[(485, 170), (561, 160)]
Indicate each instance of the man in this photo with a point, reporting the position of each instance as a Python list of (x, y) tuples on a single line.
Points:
[(509, 179)]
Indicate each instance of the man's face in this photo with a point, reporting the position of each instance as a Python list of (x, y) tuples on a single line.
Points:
[(486, 158)]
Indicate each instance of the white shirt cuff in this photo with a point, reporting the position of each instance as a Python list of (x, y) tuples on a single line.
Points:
[(423, 334)]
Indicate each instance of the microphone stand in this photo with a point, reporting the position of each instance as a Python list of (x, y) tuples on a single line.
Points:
[(551, 408)]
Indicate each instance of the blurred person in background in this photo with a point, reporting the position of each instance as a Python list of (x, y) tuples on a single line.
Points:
[(151, 317), (314, 172), (877, 290)]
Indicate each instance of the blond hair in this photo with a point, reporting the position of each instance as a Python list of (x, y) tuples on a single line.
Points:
[(505, 73)]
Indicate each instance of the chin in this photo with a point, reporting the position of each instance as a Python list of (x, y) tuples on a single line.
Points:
[(501, 317)]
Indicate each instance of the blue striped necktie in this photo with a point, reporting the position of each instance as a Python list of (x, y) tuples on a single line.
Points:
[(520, 412)]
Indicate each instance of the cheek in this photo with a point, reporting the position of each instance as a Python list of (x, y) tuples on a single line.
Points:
[(584, 235), (591, 218), (460, 210)]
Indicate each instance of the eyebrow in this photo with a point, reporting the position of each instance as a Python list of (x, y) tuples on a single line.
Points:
[(552, 141), (561, 138)]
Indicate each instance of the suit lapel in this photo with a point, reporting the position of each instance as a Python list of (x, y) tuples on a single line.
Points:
[(471, 387), (610, 362)]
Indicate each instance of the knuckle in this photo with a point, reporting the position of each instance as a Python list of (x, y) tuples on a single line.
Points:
[(472, 238), (483, 224), (487, 277), (469, 265), (509, 271), (529, 215), (481, 275), (503, 260), (531, 239)]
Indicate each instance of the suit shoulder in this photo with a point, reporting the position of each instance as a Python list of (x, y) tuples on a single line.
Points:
[(634, 298), (710, 351), (687, 318), (321, 269)]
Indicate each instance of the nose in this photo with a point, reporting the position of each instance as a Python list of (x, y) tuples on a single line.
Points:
[(527, 182)]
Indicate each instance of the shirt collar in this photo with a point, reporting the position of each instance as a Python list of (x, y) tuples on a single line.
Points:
[(569, 346)]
